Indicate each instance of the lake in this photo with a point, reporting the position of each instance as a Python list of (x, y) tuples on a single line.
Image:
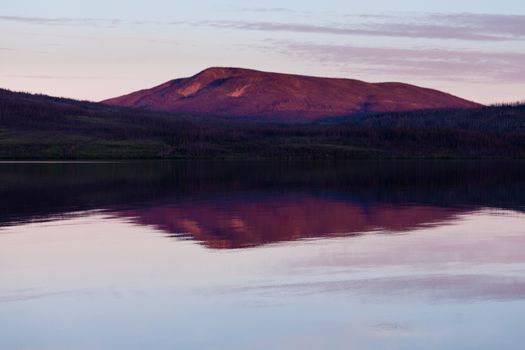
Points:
[(262, 255)]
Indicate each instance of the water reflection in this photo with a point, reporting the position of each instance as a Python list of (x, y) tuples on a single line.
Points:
[(245, 204), (420, 255), (247, 222)]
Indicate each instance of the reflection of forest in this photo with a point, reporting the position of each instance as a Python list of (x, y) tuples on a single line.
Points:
[(270, 200)]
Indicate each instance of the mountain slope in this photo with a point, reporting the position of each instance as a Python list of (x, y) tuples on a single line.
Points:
[(44, 127), (248, 93)]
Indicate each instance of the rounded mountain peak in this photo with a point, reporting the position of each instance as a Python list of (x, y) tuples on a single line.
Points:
[(240, 92), (224, 72)]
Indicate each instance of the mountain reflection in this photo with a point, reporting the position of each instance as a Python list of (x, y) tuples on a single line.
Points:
[(248, 222), (246, 204)]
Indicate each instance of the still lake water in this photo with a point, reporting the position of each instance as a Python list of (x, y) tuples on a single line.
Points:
[(262, 255)]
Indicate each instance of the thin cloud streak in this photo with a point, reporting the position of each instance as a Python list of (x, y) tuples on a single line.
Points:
[(397, 30), (70, 21), (428, 63), (266, 9), (56, 77), (460, 26), (470, 27)]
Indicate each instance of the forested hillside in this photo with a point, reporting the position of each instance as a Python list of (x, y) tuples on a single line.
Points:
[(42, 127)]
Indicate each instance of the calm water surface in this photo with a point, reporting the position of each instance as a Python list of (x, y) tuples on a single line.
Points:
[(266, 255)]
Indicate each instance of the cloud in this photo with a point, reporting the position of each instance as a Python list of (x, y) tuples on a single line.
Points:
[(70, 21), (266, 9), (57, 77), (463, 26), (427, 63), (456, 26), (500, 25), (466, 26)]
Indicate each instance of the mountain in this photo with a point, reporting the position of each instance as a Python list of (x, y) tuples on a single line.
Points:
[(240, 92), (44, 127)]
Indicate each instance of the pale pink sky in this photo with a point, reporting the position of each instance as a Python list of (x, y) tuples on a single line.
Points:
[(102, 49)]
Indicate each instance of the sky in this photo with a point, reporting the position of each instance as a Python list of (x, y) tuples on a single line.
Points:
[(99, 49)]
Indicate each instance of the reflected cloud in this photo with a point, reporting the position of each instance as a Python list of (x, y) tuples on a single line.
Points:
[(442, 288), (32, 295)]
